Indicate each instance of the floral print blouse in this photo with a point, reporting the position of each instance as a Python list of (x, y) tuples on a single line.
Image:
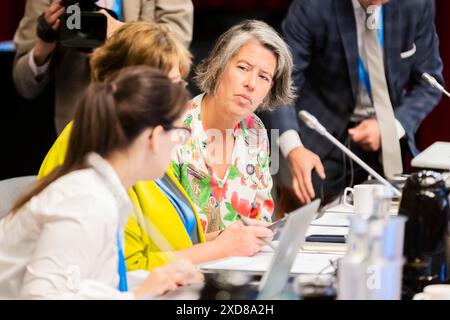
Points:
[(246, 186)]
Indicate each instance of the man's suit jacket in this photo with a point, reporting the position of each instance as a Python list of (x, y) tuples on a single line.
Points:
[(323, 37), (70, 69)]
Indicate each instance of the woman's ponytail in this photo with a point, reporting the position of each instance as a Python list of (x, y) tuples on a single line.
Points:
[(112, 114)]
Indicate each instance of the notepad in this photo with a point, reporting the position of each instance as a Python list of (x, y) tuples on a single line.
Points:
[(323, 247), (305, 263), (331, 219), (340, 208), (324, 230), (318, 247)]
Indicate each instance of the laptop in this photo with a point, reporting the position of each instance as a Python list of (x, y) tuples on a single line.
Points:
[(436, 156), (292, 237)]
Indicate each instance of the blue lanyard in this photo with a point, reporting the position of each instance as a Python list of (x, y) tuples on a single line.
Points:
[(185, 212), (363, 74), (123, 286)]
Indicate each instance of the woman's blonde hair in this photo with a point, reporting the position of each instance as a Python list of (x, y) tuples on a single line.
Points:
[(140, 43)]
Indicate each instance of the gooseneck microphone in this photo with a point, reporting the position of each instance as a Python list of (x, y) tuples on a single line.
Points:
[(314, 124), (434, 83)]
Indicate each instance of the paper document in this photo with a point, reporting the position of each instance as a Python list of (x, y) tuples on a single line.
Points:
[(308, 263), (320, 231), (314, 247), (340, 208), (333, 219), (323, 247)]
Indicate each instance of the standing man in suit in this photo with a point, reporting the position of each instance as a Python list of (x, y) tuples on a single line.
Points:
[(358, 67), (38, 60)]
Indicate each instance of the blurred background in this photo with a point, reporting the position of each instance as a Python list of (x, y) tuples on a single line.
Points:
[(26, 126)]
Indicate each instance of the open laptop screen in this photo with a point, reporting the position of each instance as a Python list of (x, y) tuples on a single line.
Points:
[(291, 239)]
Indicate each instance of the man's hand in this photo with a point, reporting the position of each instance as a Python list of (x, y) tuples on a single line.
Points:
[(367, 135), (302, 162)]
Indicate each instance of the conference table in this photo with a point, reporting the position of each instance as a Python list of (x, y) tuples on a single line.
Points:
[(314, 259), (314, 262)]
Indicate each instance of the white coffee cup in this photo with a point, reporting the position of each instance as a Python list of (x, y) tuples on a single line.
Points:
[(434, 292), (363, 196)]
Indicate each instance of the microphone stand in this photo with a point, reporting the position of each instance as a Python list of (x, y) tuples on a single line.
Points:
[(434, 83), (314, 124)]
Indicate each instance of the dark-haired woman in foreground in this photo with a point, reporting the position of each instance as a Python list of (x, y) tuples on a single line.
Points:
[(63, 239)]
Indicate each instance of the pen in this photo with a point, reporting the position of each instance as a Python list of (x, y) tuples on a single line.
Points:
[(263, 239)]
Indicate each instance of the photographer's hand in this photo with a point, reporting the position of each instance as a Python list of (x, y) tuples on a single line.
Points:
[(43, 49), (53, 13)]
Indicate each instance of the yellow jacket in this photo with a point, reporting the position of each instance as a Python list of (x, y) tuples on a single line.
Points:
[(154, 229)]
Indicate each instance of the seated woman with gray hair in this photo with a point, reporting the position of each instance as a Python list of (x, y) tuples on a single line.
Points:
[(225, 165)]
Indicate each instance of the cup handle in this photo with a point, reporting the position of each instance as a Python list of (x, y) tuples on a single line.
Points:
[(346, 191), (420, 296)]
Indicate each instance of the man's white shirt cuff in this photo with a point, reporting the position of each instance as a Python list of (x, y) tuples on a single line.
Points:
[(400, 130), (37, 70), (288, 141)]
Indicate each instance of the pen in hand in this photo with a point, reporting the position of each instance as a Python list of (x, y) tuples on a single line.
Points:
[(245, 223)]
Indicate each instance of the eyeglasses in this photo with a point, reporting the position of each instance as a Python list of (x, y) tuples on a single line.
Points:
[(180, 134)]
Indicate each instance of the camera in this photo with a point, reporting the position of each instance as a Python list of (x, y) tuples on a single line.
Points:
[(82, 27), (85, 5)]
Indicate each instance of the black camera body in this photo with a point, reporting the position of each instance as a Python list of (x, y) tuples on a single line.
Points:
[(85, 5), (83, 28)]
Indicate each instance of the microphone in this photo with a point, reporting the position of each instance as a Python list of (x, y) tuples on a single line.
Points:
[(314, 124), (434, 83)]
